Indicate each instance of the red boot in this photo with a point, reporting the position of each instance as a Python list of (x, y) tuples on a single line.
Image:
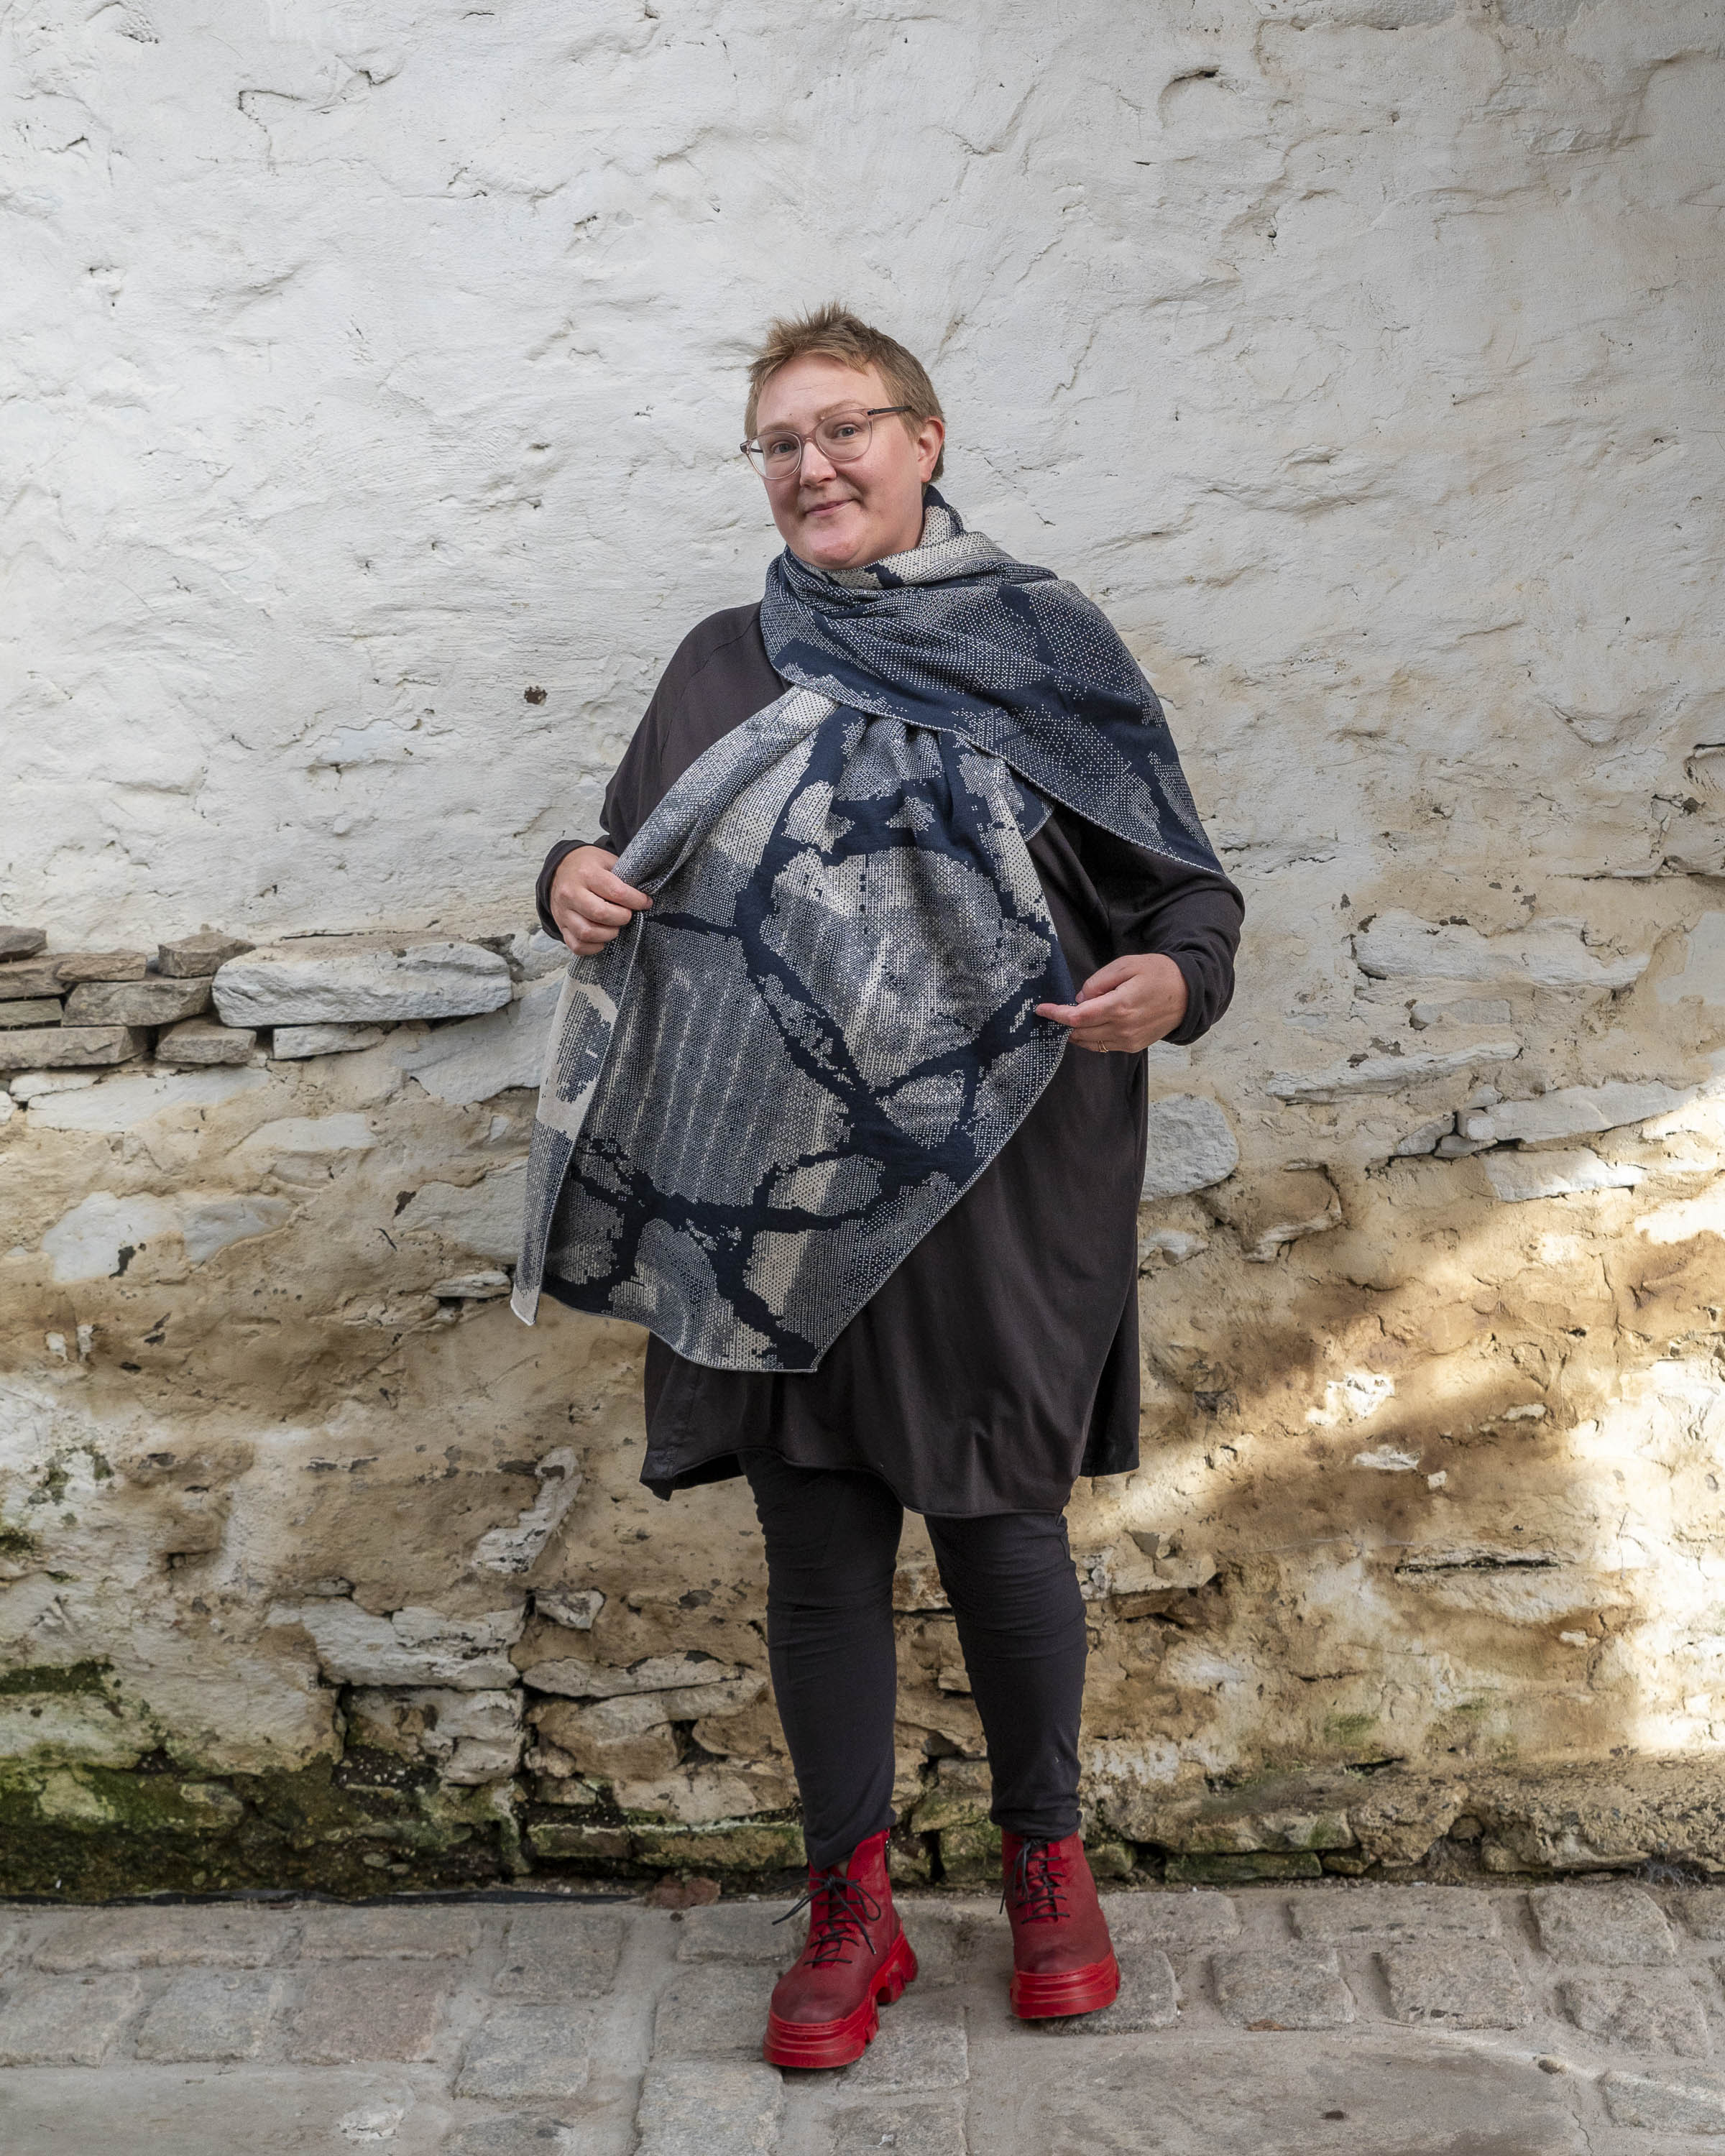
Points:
[(1062, 1958), (824, 2009)]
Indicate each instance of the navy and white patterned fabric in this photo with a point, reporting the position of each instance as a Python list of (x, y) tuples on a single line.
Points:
[(760, 1098)]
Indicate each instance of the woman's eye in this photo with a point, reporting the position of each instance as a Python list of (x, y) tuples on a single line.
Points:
[(846, 430), (783, 448)]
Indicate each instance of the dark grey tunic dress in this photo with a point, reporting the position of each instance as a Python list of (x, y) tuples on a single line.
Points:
[(1000, 1361)]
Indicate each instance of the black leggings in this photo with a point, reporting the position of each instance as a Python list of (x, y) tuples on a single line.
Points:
[(832, 1542)]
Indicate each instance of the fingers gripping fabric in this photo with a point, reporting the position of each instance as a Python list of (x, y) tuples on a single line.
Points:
[(762, 1096)]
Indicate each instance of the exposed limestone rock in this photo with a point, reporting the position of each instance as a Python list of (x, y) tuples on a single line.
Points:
[(513, 1549), (68, 1046), (28, 979), (125, 1103), (1389, 1073), (410, 1647), (101, 966), (471, 1737), (1572, 1111), (486, 1056), (191, 957), (1518, 1177), (1191, 1145), (1400, 947), (199, 1041), (484, 1216), (289, 1044), (32, 1010), (136, 1002), (21, 943), (1703, 974), (349, 979), (1269, 1211)]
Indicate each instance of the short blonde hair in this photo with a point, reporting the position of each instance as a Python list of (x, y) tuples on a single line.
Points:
[(834, 332)]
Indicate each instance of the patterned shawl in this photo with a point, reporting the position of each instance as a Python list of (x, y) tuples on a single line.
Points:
[(760, 1098)]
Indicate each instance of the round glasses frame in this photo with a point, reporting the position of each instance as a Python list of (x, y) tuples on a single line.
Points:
[(836, 448)]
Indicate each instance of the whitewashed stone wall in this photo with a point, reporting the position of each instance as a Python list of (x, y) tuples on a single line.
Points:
[(372, 381)]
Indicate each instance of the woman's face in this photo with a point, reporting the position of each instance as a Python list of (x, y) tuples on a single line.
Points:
[(840, 517)]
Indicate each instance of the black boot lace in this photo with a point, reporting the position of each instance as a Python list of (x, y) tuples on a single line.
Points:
[(842, 1909), (1035, 1885)]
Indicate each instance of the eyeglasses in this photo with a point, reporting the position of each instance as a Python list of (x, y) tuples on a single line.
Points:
[(842, 437)]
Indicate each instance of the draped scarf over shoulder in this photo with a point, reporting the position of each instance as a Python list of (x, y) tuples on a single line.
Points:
[(760, 1098)]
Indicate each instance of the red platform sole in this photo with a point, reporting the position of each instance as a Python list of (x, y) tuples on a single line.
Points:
[(841, 2043), (1086, 1990)]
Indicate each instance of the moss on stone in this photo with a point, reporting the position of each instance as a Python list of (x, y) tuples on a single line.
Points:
[(57, 1677)]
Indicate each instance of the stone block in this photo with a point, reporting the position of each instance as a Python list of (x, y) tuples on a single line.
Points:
[(136, 1002), (102, 965), (69, 2022), (193, 957), (1192, 1146), (581, 1841), (1147, 1999), (688, 2110), (744, 1845), (1612, 1922), (30, 978), (701, 2015), (1702, 1910), (1654, 2010), (971, 1853), (346, 980), (211, 2014), (1445, 1984), (353, 2011), (1696, 2104), (518, 2133), (21, 943), (386, 1934), (1517, 1177), (1281, 1987), (916, 2048), (212, 1223), (293, 1043), (200, 1041), (412, 1647), (1243, 1868), (1176, 1922), (461, 1064), (1400, 946), (562, 1952), (31, 1010), (1395, 1913), (69, 1047), (1388, 1074), (524, 2052), (166, 1938), (911, 2129), (483, 1217)]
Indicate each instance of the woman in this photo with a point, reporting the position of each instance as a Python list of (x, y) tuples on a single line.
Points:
[(807, 1116)]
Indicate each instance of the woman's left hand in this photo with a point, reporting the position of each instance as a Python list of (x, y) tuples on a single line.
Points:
[(1124, 1007)]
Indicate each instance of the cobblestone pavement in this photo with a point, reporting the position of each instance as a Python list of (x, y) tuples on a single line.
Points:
[(1350, 2021)]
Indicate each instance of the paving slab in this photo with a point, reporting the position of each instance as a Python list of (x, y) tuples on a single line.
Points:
[(1395, 1912), (211, 2014), (1148, 1998), (911, 2129), (1655, 2011), (742, 1931), (166, 1938), (64, 2021), (1275, 1988), (1447, 1984), (560, 1953), (1178, 1923), (386, 1934), (524, 2050), (916, 2050), (243, 2111), (1612, 1922), (350, 2012), (1292, 2096), (690, 2110), (704, 2016), (1666, 2103), (517, 2134)]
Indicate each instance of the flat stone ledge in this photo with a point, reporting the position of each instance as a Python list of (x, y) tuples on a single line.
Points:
[(211, 2014), (1264, 1988), (526, 2051), (1613, 1922), (346, 980), (70, 2021), (1655, 2011), (1450, 1985), (689, 2110)]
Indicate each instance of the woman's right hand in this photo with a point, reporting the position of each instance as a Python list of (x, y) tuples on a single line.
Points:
[(589, 903)]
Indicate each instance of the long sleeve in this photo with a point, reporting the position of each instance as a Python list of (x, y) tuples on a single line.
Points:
[(1192, 916)]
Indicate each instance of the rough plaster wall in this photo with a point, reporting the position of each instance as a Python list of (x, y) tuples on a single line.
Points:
[(369, 365)]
